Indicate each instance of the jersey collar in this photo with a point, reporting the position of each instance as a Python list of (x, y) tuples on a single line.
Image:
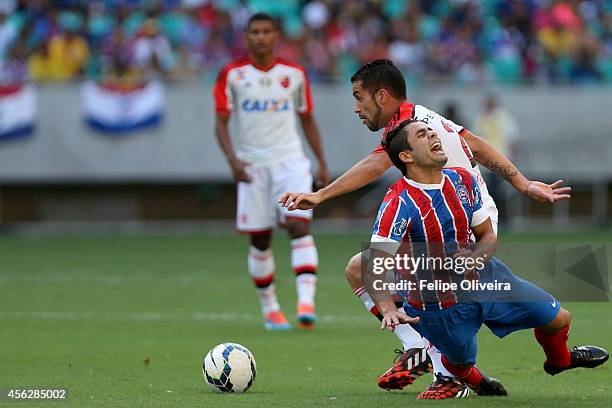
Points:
[(425, 186), (406, 110), (262, 68)]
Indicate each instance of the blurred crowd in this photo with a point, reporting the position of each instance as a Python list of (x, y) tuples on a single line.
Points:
[(464, 41)]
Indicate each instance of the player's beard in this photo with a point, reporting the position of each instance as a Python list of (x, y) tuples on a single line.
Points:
[(375, 122)]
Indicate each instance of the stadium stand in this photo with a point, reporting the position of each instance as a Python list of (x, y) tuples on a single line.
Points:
[(456, 41)]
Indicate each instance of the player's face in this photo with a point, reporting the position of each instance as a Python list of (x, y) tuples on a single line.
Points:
[(261, 37), (366, 107), (426, 146)]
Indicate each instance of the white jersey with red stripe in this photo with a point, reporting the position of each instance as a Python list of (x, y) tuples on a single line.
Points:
[(264, 102), (454, 145)]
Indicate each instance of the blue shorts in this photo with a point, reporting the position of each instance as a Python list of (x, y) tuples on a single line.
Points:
[(453, 330)]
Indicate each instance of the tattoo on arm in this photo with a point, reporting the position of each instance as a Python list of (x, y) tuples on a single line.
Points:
[(505, 172)]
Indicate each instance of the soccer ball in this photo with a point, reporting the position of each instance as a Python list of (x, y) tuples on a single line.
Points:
[(229, 367)]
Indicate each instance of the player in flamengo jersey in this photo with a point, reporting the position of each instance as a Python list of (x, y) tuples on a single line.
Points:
[(265, 94), (379, 90), (439, 213)]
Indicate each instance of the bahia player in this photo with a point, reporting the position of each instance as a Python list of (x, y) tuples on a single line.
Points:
[(265, 94), (443, 209), (379, 90)]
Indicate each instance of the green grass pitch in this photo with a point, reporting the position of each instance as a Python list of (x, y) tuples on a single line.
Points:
[(126, 321)]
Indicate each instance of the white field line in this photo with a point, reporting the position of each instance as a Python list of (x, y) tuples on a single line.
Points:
[(106, 279), (131, 276), (165, 317)]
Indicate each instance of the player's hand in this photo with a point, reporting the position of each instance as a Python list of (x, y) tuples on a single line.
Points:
[(393, 318), (323, 177), (300, 201), (464, 253), (239, 170), (548, 193)]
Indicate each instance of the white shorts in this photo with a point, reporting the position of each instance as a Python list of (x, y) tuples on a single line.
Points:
[(258, 209)]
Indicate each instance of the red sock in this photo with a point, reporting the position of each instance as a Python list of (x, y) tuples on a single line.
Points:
[(376, 313), (470, 375), (555, 346)]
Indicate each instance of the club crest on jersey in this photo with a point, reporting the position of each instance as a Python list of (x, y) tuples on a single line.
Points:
[(462, 194), (284, 81), (265, 105), (399, 227)]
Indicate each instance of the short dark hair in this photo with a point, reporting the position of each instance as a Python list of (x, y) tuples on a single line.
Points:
[(262, 17), (379, 74), (397, 142)]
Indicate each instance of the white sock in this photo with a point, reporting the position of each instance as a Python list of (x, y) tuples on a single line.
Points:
[(304, 262), (436, 360), (409, 337), (267, 299), (261, 268), (363, 295), (306, 285)]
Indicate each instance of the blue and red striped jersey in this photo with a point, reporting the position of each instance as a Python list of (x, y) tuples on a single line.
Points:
[(437, 216)]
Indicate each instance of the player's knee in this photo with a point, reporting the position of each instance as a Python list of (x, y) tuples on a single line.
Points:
[(565, 317), (261, 241), (561, 321), (353, 270), (297, 228)]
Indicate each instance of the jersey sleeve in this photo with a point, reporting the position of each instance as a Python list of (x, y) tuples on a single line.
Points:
[(392, 221), (222, 93), (303, 95), (479, 213), (451, 126)]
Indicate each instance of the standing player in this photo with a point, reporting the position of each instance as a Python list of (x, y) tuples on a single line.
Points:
[(443, 210), (264, 93), (379, 90)]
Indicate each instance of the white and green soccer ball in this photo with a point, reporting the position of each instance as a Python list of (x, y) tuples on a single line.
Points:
[(229, 367)]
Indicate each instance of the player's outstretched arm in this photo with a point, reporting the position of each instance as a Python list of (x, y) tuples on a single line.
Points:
[(225, 143), (311, 132), (488, 156), (361, 174)]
